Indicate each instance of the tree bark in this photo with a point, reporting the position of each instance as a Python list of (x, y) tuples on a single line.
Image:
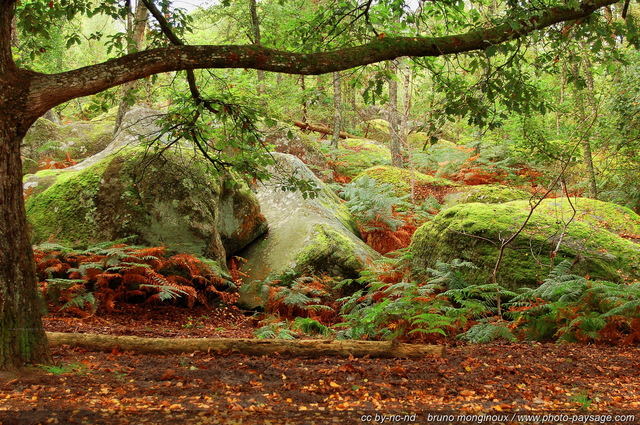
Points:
[(257, 39), (258, 347), (337, 110), (394, 119), (22, 338), (137, 30)]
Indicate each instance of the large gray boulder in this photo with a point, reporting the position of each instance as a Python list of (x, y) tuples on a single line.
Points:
[(174, 200), (306, 236)]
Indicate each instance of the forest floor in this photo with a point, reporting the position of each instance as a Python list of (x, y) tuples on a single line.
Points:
[(491, 383)]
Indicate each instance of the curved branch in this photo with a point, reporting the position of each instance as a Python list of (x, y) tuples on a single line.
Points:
[(47, 91)]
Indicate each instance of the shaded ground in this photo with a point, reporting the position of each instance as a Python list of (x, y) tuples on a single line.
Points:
[(494, 379)]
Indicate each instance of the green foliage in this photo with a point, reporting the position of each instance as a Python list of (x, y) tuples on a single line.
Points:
[(310, 326), (573, 308), (488, 331), (387, 311), (372, 203), (274, 330)]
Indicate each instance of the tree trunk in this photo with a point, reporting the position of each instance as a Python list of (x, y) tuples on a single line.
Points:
[(337, 110), (22, 337), (136, 29), (258, 347), (257, 40), (303, 87), (394, 120), (585, 141)]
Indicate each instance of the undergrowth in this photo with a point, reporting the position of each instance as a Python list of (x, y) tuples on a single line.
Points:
[(392, 304), (99, 277)]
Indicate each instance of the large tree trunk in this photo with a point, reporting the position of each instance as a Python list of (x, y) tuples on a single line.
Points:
[(22, 337)]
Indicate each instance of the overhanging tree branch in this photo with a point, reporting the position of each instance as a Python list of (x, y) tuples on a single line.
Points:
[(47, 91)]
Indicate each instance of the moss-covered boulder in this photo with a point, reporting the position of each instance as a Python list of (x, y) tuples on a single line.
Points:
[(592, 240), (291, 140), (356, 155), (487, 194), (400, 180), (56, 142), (312, 235), (177, 202), (376, 129)]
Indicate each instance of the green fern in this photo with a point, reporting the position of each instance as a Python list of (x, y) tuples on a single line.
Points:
[(274, 330), (371, 202), (80, 300), (310, 327), (487, 332)]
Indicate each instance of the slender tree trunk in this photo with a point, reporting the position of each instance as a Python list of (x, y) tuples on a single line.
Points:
[(303, 86), (586, 143), (580, 100), (257, 39), (404, 125), (137, 29), (394, 120), (337, 110)]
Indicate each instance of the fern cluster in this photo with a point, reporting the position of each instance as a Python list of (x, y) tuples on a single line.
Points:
[(375, 208), (573, 308), (103, 275)]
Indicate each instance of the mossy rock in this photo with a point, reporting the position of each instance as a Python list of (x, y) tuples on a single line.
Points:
[(400, 180), (356, 155), (291, 140), (487, 194), (376, 129), (176, 201), (79, 140), (474, 231), (306, 235)]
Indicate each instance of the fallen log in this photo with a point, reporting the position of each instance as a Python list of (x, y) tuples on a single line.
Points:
[(258, 347), (324, 130)]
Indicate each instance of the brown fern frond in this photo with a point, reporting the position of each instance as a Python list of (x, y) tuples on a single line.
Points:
[(188, 261)]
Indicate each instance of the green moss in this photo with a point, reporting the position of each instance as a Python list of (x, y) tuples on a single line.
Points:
[(356, 155), (376, 129), (400, 179), (474, 232), (66, 208), (488, 194)]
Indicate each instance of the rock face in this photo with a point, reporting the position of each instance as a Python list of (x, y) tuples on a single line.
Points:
[(174, 201), (291, 140), (305, 235), (593, 240), (47, 139)]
